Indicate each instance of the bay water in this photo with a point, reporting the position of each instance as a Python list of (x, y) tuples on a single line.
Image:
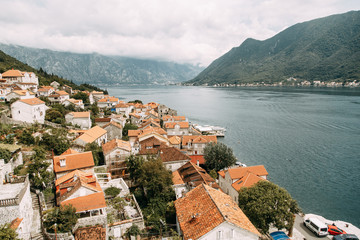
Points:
[(308, 139)]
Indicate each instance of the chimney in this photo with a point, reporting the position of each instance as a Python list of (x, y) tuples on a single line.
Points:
[(63, 162), (197, 163)]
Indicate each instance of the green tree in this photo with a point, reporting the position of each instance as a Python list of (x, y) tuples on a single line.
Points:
[(134, 230), (25, 137), (267, 204), (134, 165), (218, 156), (56, 141), (127, 127), (53, 115), (136, 101), (82, 96), (64, 217), (7, 233), (5, 154), (39, 177), (97, 153), (112, 191)]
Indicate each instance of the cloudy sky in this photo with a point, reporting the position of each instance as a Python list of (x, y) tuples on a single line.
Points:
[(184, 31)]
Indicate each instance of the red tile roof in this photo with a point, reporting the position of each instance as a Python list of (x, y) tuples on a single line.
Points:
[(74, 161), (171, 154), (248, 180), (12, 73), (194, 175), (239, 172), (199, 139), (171, 125), (15, 223), (88, 202), (92, 134), (80, 114), (204, 208), (69, 151), (116, 143), (196, 158), (173, 118), (32, 101)]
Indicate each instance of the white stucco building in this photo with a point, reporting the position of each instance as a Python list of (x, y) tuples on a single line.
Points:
[(81, 119), (30, 110)]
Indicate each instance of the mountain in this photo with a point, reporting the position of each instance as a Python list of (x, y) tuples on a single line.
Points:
[(99, 69), (7, 62), (322, 49)]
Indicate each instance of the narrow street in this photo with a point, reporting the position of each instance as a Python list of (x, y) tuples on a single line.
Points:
[(304, 231)]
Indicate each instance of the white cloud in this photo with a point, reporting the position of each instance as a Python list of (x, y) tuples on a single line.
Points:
[(183, 31)]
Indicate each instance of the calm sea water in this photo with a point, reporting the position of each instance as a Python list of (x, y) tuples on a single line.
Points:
[(308, 139)]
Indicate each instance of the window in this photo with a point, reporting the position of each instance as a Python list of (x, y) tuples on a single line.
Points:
[(219, 235)]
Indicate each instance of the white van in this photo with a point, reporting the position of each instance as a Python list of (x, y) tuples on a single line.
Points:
[(318, 227)]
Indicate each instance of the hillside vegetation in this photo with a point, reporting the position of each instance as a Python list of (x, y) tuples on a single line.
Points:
[(7, 62), (103, 70), (325, 49)]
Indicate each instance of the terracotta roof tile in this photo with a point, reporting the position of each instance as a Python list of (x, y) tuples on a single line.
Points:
[(171, 154), (175, 140), (102, 119), (86, 203), (171, 125), (204, 208), (12, 73), (73, 161), (199, 139), (61, 93), (32, 101), (70, 175), (92, 134), (109, 99), (15, 223), (194, 175), (196, 158), (239, 172), (247, 181), (176, 178), (23, 92), (116, 143), (113, 124), (69, 151), (174, 118), (80, 114)]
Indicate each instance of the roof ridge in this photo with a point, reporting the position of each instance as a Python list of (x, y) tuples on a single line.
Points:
[(214, 201)]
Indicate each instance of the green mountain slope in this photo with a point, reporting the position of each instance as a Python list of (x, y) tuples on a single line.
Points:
[(323, 49), (7, 62), (103, 70)]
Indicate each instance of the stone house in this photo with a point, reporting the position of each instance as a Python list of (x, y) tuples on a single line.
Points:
[(233, 179), (16, 76), (16, 205), (115, 153), (123, 109), (189, 176), (102, 121), (169, 118), (94, 134), (81, 119), (114, 130), (45, 91), (55, 85), (177, 128), (77, 103), (164, 110), (30, 110), (83, 192), (175, 141), (207, 213), (172, 158), (67, 163), (108, 102), (195, 144), (58, 97), (95, 96), (21, 94)]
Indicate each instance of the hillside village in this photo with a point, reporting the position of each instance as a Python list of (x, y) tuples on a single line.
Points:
[(119, 168)]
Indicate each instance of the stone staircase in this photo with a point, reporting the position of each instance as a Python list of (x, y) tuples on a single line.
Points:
[(36, 233)]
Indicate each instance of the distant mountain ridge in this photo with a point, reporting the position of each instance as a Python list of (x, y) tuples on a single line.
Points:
[(324, 49), (102, 70)]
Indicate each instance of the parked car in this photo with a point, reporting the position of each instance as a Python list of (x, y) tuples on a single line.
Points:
[(279, 235), (316, 226), (334, 230), (345, 237)]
